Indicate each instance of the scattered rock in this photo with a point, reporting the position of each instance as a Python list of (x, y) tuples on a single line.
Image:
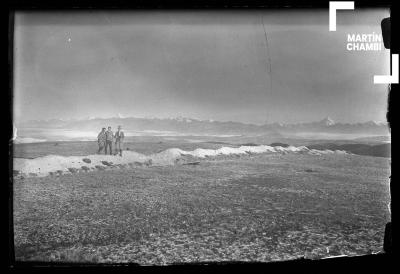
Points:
[(85, 168), (86, 160), (59, 172), (73, 170), (106, 163), (149, 162), (100, 167)]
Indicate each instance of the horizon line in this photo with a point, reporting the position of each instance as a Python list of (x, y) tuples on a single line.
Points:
[(201, 120)]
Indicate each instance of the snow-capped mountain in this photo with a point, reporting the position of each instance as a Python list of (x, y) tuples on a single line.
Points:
[(327, 122), (190, 125)]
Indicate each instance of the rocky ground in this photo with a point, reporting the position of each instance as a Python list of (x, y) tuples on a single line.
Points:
[(263, 207)]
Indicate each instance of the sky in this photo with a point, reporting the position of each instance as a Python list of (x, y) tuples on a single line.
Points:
[(218, 65)]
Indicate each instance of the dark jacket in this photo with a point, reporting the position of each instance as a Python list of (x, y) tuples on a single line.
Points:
[(109, 135), (119, 136)]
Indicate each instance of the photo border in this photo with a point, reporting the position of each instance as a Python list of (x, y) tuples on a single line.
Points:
[(379, 261)]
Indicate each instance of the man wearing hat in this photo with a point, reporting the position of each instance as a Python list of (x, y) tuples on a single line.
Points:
[(119, 141)]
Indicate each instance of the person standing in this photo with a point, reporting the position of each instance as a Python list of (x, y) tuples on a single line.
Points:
[(119, 141), (101, 140), (109, 140)]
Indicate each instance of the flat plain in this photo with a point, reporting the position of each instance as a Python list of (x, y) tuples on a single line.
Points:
[(264, 207)]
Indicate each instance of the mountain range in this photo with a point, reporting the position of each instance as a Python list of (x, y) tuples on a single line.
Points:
[(196, 126)]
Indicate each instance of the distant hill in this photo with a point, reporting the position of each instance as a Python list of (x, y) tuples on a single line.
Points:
[(195, 126), (381, 150), (374, 139)]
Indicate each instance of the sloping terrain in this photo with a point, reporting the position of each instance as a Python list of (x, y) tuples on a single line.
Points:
[(380, 150), (50, 164)]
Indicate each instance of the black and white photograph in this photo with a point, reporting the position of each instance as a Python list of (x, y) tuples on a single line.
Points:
[(161, 137)]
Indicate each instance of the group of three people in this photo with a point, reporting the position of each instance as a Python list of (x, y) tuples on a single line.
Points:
[(105, 140)]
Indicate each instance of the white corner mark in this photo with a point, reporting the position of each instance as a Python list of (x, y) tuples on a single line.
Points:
[(333, 6), (390, 79)]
